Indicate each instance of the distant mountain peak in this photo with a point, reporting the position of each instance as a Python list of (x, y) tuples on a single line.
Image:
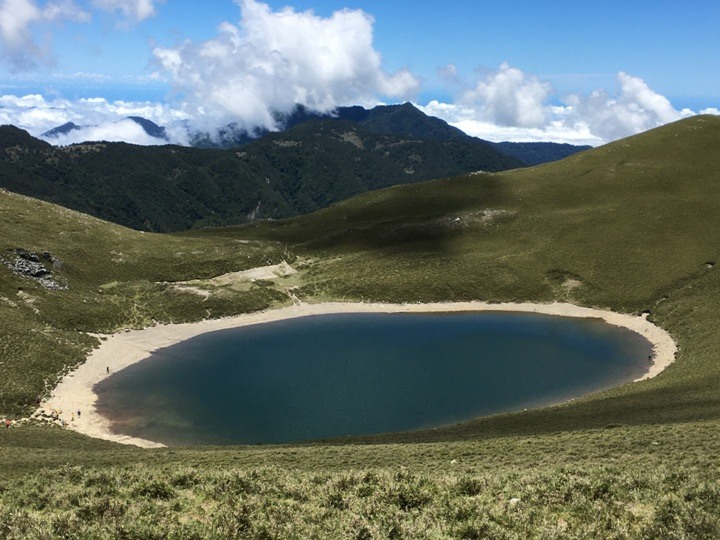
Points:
[(150, 127), (402, 120), (61, 130), (409, 121)]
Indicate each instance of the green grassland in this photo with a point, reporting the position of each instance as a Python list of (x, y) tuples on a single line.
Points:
[(633, 226), (116, 278)]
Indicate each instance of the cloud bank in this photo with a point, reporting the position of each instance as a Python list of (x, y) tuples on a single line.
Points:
[(124, 130), (103, 119), (272, 60), (509, 104)]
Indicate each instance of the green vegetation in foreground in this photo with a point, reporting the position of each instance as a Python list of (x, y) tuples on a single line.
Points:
[(633, 226), (149, 502)]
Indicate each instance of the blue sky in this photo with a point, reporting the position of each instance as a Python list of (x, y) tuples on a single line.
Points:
[(555, 70)]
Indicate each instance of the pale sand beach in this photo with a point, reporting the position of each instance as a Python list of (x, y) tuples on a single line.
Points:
[(117, 351)]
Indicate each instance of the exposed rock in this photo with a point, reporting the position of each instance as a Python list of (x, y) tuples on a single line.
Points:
[(30, 265), (27, 255), (30, 268)]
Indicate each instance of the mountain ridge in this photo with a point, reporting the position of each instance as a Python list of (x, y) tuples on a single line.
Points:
[(149, 127), (170, 188), (404, 120)]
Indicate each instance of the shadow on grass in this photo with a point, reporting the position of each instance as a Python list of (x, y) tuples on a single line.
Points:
[(652, 407), (402, 218)]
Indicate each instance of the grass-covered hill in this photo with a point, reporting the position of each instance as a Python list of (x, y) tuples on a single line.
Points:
[(172, 188), (632, 226), (64, 274)]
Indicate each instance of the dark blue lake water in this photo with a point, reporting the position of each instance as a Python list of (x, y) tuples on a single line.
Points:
[(336, 375)]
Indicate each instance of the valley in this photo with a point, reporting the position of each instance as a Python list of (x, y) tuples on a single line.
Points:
[(632, 227)]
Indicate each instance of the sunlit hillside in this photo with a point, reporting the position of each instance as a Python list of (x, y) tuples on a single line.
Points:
[(633, 226)]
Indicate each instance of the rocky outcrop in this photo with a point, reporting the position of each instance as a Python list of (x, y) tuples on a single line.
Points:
[(37, 267)]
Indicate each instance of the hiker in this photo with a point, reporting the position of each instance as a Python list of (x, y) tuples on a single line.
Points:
[(78, 413), (108, 370), (8, 423)]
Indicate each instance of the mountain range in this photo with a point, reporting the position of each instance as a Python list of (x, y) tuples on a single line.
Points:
[(170, 188), (404, 120), (150, 128), (314, 160)]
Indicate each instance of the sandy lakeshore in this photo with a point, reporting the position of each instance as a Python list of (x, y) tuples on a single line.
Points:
[(117, 351)]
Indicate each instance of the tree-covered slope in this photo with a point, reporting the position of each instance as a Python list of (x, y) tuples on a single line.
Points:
[(537, 153), (173, 188), (409, 121)]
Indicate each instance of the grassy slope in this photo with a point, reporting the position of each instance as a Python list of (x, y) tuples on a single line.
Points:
[(115, 280), (630, 220), (635, 223)]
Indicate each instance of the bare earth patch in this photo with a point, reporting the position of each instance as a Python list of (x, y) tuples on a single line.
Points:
[(203, 287)]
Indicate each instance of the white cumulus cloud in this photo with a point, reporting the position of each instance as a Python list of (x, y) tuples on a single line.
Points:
[(101, 119), (272, 60), (510, 97), (634, 109), (511, 105)]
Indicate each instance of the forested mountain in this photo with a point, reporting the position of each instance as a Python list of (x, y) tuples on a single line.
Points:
[(536, 153), (404, 120), (170, 188)]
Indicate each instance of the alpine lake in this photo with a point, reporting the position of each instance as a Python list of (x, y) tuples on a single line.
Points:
[(330, 376)]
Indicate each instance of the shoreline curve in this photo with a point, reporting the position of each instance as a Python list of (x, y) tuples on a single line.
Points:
[(122, 349)]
